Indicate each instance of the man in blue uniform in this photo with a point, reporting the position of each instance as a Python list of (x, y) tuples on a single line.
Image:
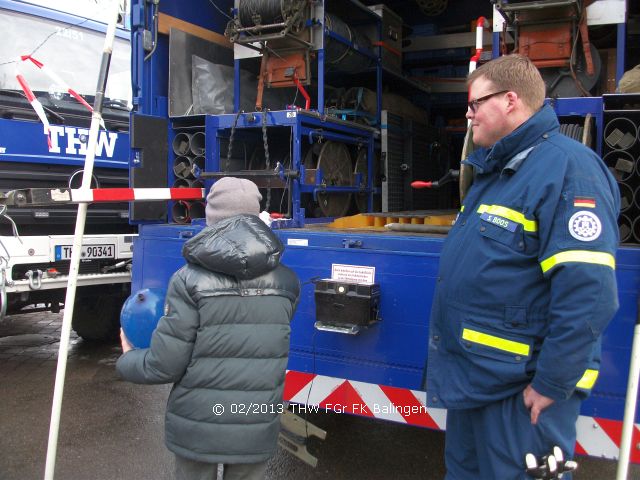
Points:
[(526, 283)]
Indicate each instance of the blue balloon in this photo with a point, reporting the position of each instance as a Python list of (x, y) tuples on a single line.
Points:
[(140, 315)]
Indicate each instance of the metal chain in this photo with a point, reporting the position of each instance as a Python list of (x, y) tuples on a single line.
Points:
[(266, 154), (230, 148)]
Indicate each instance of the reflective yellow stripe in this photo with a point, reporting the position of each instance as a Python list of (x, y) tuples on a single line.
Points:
[(588, 379), (582, 256), (495, 342), (514, 216), (462, 208)]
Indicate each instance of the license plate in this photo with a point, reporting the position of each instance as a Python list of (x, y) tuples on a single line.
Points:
[(89, 252)]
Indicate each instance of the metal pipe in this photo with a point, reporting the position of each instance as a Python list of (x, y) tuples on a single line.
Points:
[(96, 119), (620, 133), (196, 210), (630, 403), (621, 164), (197, 166), (181, 183), (636, 229), (417, 228), (626, 196), (180, 144), (180, 212), (535, 5), (635, 199), (624, 228), (182, 167), (3, 293), (196, 145), (261, 27)]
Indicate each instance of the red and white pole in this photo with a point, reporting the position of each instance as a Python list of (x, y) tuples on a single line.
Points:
[(96, 118), (480, 26)]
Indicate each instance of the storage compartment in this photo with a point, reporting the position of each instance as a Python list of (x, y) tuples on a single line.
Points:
[(390, 39)]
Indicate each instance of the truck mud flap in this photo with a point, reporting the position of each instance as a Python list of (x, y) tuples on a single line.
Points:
[(294, 434)]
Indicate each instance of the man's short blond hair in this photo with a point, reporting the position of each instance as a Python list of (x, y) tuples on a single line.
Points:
[(515, 73)]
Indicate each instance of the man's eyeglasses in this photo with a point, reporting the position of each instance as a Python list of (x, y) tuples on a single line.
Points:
[(474, 104)]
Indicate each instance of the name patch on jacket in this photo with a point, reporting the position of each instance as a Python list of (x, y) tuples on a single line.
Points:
[(499, 221)]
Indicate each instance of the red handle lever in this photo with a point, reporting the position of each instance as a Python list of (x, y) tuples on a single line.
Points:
[(421, 184)]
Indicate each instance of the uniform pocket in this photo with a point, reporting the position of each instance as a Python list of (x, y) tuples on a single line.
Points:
[(509, 226), (497, 360), (512, 237), (497, 345), (515, 316)]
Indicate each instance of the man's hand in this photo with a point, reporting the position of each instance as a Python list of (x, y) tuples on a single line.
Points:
[(126, 346), (535, 403)]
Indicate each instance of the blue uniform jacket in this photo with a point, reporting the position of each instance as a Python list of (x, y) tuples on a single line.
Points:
[(527, 274)]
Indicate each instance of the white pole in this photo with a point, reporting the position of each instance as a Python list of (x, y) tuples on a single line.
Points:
[(628, 424), (96, 119)]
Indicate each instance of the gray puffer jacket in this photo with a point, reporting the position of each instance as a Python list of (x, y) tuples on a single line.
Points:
[(224, 342)]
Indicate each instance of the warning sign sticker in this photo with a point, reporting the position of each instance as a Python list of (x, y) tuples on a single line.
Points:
[(353, 273)]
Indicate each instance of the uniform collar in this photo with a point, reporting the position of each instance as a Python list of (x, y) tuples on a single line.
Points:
[(521, 141)]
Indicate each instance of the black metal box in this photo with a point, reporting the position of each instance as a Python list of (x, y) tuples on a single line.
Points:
[(344, 304)]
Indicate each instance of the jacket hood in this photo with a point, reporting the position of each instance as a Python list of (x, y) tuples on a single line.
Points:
[(525, 136), (241, 246)]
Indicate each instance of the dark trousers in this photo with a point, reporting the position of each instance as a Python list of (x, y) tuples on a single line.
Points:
[(192, 470), (490, 443)]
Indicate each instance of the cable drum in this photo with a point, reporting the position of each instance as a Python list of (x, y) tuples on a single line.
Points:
[(252, 13), (342, 56), (572, 130), (620, 133), (621, 164)]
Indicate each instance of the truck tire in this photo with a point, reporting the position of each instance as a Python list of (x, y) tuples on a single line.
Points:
[(96, 317)]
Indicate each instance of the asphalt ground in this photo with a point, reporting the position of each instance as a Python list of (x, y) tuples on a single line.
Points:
[(113, 430)]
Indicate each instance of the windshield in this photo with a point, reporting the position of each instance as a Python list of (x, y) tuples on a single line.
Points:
[(72, 52)]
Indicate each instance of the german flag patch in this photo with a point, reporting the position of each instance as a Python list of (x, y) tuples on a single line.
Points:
[(587, 202)]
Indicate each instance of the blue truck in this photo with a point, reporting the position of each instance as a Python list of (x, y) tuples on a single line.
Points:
[(334, 109), (36, 241)]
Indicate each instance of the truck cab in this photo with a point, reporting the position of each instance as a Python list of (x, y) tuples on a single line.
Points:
[(56, 52)]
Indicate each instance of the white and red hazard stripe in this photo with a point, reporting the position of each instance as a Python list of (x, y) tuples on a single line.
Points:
[(56, 78), (597, 437), (98, 195), (60, 82), (480, 25), (36, 105)]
